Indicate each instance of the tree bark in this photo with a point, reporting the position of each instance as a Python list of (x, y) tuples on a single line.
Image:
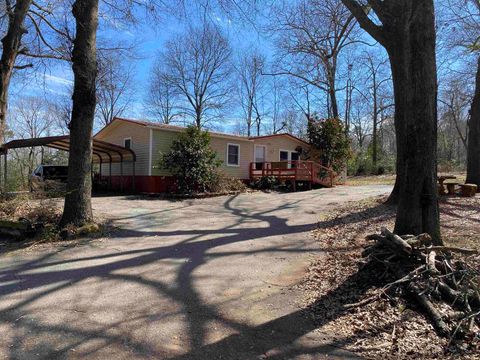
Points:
[(473, 150), (412, 57), (11, 43), (78, 209), (408, 35)]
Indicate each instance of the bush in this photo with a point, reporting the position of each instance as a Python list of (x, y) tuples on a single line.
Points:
[(328, 136), (223, 183), (192, 161), (265, 183)]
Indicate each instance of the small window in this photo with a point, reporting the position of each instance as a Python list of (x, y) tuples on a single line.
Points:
[(283, 155), (233, 155), (127, 143)]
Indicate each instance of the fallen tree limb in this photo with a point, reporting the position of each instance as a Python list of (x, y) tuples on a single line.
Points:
[(396, 242), (435, 315), (454, 249), (441, 281)]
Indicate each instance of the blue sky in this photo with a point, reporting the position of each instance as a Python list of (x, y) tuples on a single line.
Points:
[(149, 37)]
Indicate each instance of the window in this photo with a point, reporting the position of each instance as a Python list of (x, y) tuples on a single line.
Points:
[(127, 143), (259, 153), (233, 155), (283, 155)]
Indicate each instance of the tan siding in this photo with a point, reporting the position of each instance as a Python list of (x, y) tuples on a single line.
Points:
[(161, 142), (277, 143), (246, 156), (140, 135)]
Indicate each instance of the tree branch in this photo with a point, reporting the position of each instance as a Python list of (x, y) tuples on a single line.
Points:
[(361, 15)]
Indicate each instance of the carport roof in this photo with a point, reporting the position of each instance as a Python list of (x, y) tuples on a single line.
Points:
[(102, 151)]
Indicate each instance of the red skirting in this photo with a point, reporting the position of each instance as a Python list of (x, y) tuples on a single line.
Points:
[(145, 184)]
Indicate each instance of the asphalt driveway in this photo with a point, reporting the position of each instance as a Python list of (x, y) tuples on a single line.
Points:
[(196, 279)]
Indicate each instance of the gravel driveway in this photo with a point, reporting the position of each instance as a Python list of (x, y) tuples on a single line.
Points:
[(196, 279)]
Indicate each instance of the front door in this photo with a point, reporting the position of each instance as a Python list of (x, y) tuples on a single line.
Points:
[(259, 156)]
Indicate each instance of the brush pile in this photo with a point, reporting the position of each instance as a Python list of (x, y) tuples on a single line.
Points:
[(439, 279)]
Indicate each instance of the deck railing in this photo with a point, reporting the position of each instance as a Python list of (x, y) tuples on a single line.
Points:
[(299, 170)]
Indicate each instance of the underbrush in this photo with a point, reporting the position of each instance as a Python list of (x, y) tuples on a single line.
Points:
[(390, 327), (42, 217), (223, 183)]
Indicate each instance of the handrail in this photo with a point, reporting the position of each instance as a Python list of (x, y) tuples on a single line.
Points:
[(294, 169)]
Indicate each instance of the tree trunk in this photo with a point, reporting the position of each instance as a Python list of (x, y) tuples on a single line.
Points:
[(412, 57), (332, 92), (10, 45), (198, 117), (375, 122), (473, 150), (78, 209)]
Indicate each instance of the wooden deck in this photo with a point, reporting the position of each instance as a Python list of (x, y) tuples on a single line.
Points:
[(295, 171)]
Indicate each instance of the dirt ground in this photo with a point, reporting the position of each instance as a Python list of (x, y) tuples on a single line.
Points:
[(197, 279), (386, 328)]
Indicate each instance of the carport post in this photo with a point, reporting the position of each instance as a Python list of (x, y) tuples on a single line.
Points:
[(5, 171), (121, 173), (133, 177), (110, 173)]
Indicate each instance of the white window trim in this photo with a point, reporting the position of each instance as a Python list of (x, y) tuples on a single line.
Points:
[(289, 152), (128, 138), (255, 152), (289, 156), (226, 155)]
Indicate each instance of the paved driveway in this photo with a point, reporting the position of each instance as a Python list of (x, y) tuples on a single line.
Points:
[(201, 279)]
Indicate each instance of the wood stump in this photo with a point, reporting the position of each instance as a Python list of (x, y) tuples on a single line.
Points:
[(451, 188), (468, 190)]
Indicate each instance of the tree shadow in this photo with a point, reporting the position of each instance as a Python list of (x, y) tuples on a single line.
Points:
[(24, 285)]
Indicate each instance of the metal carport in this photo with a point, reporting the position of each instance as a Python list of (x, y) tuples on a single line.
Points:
[(103, 153)]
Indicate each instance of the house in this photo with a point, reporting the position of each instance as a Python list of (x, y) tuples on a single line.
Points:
[(242, 157)]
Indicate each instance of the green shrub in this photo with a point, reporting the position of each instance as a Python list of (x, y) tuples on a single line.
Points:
[(328, 136), (192, 161)]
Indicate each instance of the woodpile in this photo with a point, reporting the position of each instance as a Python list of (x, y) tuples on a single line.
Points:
[(438, 279)]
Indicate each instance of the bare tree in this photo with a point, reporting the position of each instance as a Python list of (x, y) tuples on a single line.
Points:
[(11, 44), (115, 86), (312, 35), (473, 152), (163, 97), (33, 33), (406, 29), (378, 77), (32, 119), (78, 208), (467, 16), (249, 68), (197, 64)]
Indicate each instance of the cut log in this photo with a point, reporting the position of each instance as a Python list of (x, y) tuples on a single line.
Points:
[(431, 261), (395, 242), (419, 240), (451, 188), (468, 190)]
